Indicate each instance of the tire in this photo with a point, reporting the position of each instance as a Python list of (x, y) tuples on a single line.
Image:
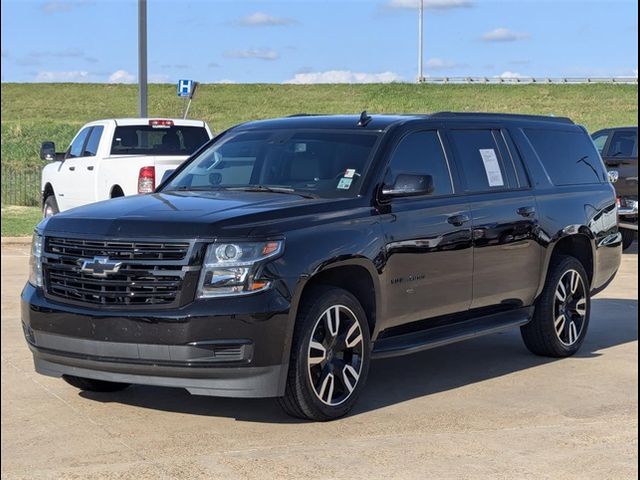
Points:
[(321, 347), (628, 237), (50, 206), (558, 327), (91, 385)]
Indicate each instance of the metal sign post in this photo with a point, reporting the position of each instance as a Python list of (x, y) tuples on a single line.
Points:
[(186, 89), (142, 58), (420, 41)]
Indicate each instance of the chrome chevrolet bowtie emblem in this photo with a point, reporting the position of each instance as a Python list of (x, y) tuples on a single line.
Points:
[(100, 266)]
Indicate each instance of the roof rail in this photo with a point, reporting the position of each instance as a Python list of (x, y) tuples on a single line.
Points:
[(515, 116)]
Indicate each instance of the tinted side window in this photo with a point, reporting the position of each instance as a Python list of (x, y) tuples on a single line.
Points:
[(624, 143), (76, 147), (94, 140), (568, 156), (600, 139), (482, 164), (421, 153)]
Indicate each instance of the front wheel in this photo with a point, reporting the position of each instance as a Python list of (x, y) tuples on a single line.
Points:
[(329, 356), (562, 311)]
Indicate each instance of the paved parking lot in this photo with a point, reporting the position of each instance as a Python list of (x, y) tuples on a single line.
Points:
[(482, 409)]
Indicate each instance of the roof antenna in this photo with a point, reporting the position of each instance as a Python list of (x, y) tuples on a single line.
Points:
[(365, 118)]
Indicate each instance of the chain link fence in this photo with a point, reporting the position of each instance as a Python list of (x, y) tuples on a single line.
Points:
[(21, 186)]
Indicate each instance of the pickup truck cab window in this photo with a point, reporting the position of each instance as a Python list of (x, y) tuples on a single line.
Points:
[(323, 164), (93, 141), (600, 140), (624, 143), (157, 140), (77, 145), (421, 153)]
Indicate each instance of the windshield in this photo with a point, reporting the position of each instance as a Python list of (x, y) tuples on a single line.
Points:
[(322, 164), (150, 140)]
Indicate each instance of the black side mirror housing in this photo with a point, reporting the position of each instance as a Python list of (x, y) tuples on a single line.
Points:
[(408, 185), (166, 175), (48, 152)]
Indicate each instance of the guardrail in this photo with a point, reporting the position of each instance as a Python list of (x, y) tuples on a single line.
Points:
[(20, 186), (530, 80)]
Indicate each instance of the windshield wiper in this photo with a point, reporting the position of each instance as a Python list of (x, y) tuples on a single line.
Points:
[(263, 188)]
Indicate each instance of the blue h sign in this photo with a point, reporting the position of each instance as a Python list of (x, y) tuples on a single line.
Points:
[(185, 87)]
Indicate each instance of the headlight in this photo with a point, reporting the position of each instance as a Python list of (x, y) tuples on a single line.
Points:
[(35, 261), (229, 268)]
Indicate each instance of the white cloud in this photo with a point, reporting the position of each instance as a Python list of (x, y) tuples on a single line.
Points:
[(504, 35), (440, 64), (430, 4), (344, 76), (225, 81), (260, 19), (254, 53), (68, 76), (158, 78), (62, 6), (122, 76), (508, 75)]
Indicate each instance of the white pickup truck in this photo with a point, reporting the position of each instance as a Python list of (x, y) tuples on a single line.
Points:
[(116, 157)]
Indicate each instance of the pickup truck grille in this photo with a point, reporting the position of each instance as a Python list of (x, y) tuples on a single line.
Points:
[(150, 274)]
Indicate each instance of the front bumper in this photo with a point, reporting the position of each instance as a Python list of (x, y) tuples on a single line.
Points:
[(628, 215), (236, 347)]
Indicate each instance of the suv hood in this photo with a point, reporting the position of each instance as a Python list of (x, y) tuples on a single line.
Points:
[(189, 215)]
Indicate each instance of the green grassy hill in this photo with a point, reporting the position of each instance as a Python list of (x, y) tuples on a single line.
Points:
[(32, 113)]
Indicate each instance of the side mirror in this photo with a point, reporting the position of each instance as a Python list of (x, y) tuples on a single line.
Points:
[(614, 176), (407, 185), (48, 151), (166, 174)]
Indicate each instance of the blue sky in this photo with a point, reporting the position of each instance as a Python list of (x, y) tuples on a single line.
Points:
[(307, 41)]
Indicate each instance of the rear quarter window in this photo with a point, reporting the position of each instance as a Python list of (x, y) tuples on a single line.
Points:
[(568, 156)]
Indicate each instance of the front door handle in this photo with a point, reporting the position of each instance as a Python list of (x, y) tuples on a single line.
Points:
[(90, 167), (458, 220), (72, 168), (527, 211)]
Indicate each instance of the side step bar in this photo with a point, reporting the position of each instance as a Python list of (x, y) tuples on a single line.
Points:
[(443, 335)]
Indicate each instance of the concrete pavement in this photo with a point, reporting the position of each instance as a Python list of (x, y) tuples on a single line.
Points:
[(486, 408)]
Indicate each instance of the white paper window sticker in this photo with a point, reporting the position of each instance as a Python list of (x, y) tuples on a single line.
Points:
[(345, 183), (350, 173), (492, 167)]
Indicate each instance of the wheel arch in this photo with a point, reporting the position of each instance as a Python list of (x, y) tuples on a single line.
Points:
[(578, 243), (47, 191), (116, 191), (356, 275)]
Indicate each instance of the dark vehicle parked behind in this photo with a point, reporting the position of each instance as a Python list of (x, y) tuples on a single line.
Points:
[(619, 149), (287, 254)]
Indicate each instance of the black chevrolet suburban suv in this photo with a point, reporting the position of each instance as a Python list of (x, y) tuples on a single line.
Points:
[(287, 254)]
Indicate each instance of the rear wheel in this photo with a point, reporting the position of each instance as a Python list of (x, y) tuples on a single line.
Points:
[(92, 385), (628, 237), (562, 311), (329, 356), (50, 206)]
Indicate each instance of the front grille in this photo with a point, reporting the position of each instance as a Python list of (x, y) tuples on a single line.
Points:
[(117, 250), (151, 274)]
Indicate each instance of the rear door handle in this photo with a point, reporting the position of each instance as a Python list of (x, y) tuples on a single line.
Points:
[(527, 211), (72, 168), (90, 167), (458, 220)]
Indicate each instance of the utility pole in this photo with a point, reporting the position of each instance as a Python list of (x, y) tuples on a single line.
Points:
[(420, 40), (142, 57)]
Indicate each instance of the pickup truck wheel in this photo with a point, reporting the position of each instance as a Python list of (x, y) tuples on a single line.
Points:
[(91, 385), (628, 237), (562, 311), (329, 356), (49, 207)]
